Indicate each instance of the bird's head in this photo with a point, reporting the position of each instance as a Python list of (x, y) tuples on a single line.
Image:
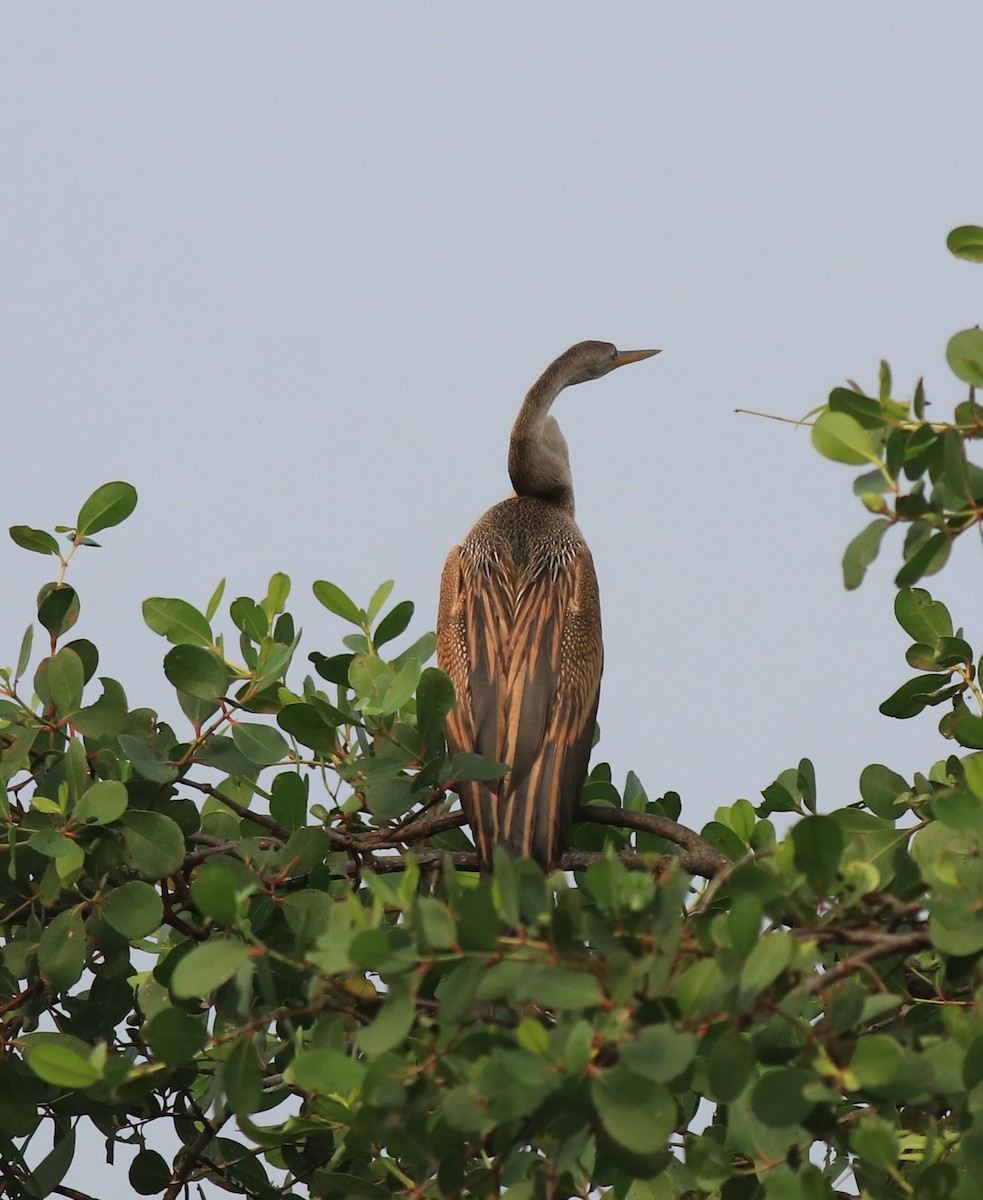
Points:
[(591, 360)]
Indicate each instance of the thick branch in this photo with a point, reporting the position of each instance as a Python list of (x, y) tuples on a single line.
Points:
[(701, 858)]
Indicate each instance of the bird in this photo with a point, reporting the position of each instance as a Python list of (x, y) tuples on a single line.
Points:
[(519, 634)]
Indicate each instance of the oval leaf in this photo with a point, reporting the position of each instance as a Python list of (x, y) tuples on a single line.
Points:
[(966, 242), (637, 1113), (134, 909), (207, 967), (177, 620), (335, 600), (107, 506), (196, 671), (261, 744), (154, 843), (37, 540), (841, 438), (964, 355), (104, 802)]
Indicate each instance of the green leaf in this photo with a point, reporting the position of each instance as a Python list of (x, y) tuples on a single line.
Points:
[(277, 592), (105, 801), (964, 355), (107, 716), (730, 1065), (24, 657), (558, 988), (875, 1142), (863, 409), (51, 843), (108, 505), (968, 729), (243, 1077), (334, 669), (861, 552), (973, 772), (197, 671), (61, 679), (778, 1098), (435, 923), (261, 744), (61, 1063), (818, 843), (771, 955), (62, 949), (637, 1113), (216, 599), (925, 619), (842, 438), (303, 722), (434, 700), (326, 1073), (154, 843), (881, 787), (36, 540), (250, 617), (134, 909), (145, 761), (58, 608), (177, 620), (335, 600), (393, 1023), (422, 650), (215, 891), (174, 1036), (370, 949), (659, 1052), (207, 967), (956, 929), (966, 242), (379, 598), (393, 623), (876, 1060), (149, 1173), (51, 1170), (916, 694)]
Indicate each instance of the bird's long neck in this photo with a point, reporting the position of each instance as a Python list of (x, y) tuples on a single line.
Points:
[(539, 463)]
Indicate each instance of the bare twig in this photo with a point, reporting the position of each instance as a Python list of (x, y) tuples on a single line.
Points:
[(240, 810)]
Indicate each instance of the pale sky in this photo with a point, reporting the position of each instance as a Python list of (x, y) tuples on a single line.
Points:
[(289, 270)]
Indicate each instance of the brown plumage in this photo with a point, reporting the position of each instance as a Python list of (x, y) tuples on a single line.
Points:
[(519, 633)]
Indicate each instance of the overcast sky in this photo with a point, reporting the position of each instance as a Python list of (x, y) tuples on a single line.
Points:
[(289, 269)]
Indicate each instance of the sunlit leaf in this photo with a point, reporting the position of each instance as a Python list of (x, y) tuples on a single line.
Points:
[(966, 242), (843, 439), (964, 355)]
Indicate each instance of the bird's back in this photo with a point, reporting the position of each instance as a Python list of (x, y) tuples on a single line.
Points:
[(519, 633)]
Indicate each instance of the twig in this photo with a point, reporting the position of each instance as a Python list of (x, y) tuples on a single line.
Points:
[(278, 830), (878, 946)]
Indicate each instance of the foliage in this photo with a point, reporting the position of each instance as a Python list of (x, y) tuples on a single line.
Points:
[(266, 931)]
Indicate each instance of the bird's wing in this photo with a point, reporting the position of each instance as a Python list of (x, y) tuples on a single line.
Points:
[(523, 648)]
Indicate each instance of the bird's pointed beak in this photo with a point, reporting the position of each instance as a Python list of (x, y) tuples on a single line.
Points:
[(629, 356)]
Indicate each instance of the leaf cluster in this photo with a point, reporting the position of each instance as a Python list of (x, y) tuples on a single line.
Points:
[(265, 929)]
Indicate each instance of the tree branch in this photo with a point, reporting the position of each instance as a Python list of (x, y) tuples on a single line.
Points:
[(701, 858)]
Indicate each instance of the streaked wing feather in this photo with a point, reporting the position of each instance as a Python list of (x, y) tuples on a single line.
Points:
[(523, 649)]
